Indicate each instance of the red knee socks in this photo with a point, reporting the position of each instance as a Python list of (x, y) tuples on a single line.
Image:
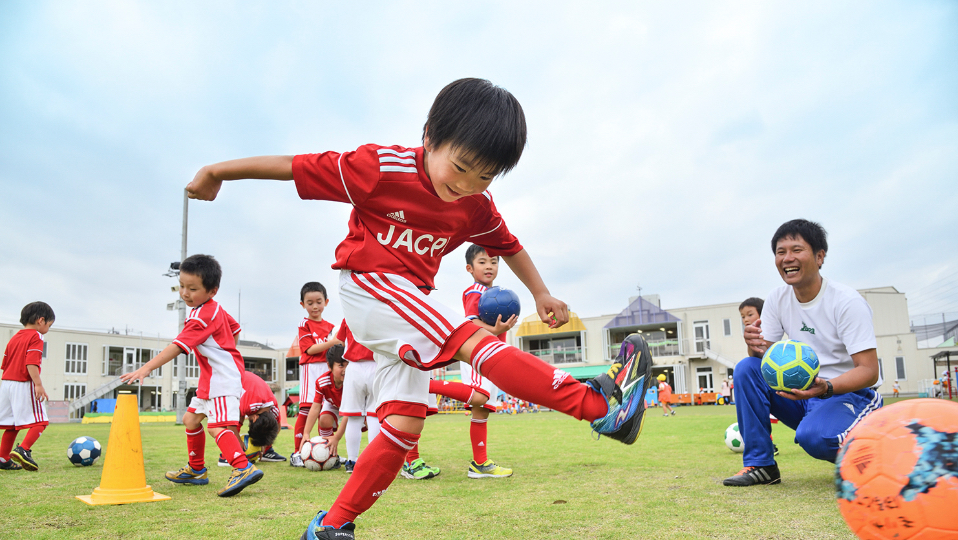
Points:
[(6, 443), (196, 446), (455, 390), (376, 468), (526, 377), (300, 425), (477, 434), (32, 435), (230, 448)]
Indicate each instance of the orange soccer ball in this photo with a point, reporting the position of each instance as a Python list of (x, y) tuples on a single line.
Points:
[(897, 473)]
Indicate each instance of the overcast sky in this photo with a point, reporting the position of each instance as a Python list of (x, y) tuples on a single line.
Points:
[(667, 141)]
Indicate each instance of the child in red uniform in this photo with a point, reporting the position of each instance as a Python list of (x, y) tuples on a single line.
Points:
[(208, 333), (260, 406), (329, 392), (359, 398), (315, 337), (21, 391), (410, 206)]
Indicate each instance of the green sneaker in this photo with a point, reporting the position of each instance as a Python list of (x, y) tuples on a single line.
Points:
[(418, 470), (487, 470)]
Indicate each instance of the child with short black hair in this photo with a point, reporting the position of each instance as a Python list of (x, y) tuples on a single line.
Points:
[(208, 333), (315, 337), (751, 311), (22, 394), (409, 207), (259, 405), (329, 393)]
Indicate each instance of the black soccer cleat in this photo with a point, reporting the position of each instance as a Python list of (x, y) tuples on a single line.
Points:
[(317, 531), (754, 476), (624, 387), (24, 458), (10, 466)]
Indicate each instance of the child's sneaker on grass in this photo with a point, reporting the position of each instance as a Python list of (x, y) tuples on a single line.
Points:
[(753, 476), (187, 475), (624, 387), (418, 470), (487, 470), (349, 465), (221, 462), (296, 461), (241, 479), (10, 466), (272, 456), (24, 458), (317, 531)]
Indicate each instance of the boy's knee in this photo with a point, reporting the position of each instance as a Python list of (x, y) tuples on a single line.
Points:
[(748, 366), (816, 443), (478, 399)]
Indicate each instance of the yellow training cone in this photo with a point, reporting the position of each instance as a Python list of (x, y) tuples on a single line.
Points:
[(123, 480)]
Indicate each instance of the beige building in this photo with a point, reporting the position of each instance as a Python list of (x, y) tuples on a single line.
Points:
[(78, 363)]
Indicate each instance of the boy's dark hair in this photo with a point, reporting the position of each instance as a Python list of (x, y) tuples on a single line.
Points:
[(34, 311), (756, 303), (312, 286), (334, 355), (811, 232), (473, 252), (481, 119), (264, 430), (204, 266)]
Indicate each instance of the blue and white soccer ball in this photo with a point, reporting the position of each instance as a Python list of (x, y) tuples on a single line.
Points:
[(497, 301), (83, 451), (733, 439), (789, 365)]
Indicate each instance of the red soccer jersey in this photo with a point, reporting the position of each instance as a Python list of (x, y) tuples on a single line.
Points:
[(256, 395), (24, 348), (398, 223), (326, 390), (208, 333), (470, 302), (310, 333), (355, 352)]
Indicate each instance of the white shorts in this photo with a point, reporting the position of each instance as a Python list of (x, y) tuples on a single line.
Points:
[(220, 411), (408, 333), (473, 378), (308, 373), (358, 396), (19, 406), (329, 408)]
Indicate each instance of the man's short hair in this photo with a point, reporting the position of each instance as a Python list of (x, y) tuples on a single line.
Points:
[(264, 430), (204, 266), (811, 232), (473, 252), (756, 303), (312, 286), (34, 311), (481, 119), (334, 355)]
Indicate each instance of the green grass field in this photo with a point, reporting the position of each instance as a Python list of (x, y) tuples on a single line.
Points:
[(566, 485)]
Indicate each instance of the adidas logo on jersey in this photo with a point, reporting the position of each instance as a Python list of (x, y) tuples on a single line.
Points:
[(557, 377), (397, 215)]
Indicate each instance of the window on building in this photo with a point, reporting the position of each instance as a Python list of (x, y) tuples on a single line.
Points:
[(700, 331), (900, 367), (292, 369), (75, 362), (727, 326), (73, 391), (705, 379), (112, 361)]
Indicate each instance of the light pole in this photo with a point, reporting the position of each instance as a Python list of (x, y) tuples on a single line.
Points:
[(174, 271)]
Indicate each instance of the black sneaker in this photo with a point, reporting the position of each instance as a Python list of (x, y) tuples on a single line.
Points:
[(10, 466), (221, 462), (624, 387), (753, 476), (272, 456), (349, 466), (317, 531), (24, 458), (775, 446)]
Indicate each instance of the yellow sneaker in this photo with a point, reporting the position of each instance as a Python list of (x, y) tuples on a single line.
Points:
[(487, 470), (240, 479)]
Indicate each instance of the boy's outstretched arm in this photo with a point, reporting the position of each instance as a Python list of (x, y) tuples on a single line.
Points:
[(522, 266), (208, 180)]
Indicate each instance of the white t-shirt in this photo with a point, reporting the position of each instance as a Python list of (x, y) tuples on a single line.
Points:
[(836, 324)]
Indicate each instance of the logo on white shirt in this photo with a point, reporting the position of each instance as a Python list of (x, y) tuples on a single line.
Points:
[(397, 215)]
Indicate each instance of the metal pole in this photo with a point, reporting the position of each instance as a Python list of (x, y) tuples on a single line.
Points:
[(181, 360)]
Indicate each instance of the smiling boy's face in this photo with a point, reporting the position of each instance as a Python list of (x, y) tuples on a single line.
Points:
[(453, 173), (484, 268), (314, 302)]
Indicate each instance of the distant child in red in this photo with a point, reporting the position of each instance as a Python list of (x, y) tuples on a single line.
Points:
[(21, 391), (259, 405), (208, 333), (409, 207), (315, 336), (329, 393)]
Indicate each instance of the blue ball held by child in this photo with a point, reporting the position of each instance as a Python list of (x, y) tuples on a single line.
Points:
[(497, 301)]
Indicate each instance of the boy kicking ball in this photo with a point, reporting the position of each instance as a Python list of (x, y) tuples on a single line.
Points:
[(411, 206)]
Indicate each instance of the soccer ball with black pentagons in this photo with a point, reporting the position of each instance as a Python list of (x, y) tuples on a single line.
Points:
[(733, 439), (896, 476), (317, 456), (496, 302), (83, 451), (789, 365)]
